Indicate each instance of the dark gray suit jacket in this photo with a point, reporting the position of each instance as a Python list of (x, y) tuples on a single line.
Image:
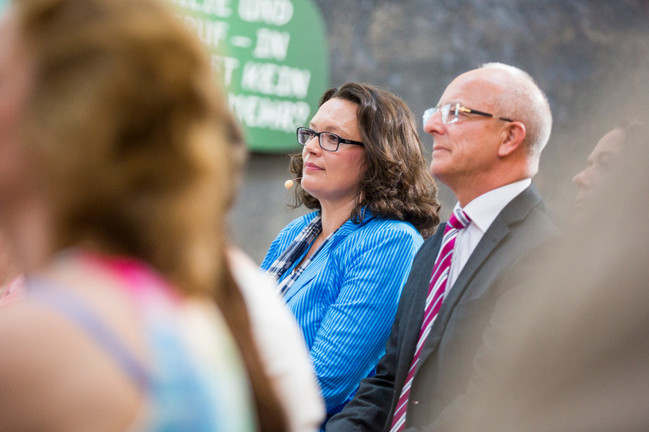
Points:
[(456, 335)]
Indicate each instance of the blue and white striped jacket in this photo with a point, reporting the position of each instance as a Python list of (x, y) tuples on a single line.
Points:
[(346, 299)]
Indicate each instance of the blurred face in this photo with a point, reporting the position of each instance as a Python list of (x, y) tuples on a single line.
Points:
[(333, 177), (464, 150), (598, 166), (14, 83)]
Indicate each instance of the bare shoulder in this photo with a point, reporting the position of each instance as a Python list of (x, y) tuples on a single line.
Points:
[(54, 376), (27, 334)]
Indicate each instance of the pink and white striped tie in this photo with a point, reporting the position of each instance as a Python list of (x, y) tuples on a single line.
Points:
[(436, 290)]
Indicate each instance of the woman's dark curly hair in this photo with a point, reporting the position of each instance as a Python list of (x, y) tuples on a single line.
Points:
[(396, 183)]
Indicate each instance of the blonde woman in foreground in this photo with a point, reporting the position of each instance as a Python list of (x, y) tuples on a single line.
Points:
[(114, 182)]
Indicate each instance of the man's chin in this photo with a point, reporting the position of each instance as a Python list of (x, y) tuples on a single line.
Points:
[(437, 169)]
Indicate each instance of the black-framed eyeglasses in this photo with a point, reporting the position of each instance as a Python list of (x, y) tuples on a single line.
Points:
[(452, 112), (328, 141)]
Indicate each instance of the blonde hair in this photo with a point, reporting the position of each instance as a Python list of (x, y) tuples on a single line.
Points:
[(138, 147), (130, 134)]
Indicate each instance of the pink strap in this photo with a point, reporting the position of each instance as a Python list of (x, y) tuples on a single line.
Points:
[(139, 278)]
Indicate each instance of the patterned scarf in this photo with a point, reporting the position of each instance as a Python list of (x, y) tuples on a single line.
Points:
[(293, 253)]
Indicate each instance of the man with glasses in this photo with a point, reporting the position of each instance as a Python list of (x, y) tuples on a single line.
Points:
[(489, 129)]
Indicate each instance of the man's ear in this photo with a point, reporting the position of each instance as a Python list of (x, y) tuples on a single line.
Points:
[(513, 137)]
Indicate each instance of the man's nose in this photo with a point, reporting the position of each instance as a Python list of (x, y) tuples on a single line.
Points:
[(582, 179), (434, 124)]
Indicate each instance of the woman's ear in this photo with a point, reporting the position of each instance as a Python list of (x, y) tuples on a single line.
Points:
[(513, 136)]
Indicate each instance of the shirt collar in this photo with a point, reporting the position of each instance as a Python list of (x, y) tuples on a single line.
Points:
[(485, 208)]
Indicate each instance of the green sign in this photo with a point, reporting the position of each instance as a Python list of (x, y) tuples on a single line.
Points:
[(272, 56)]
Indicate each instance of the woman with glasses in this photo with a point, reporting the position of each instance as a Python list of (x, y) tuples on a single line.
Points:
[(341, 267)]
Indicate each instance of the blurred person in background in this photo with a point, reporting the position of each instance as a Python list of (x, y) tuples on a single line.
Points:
[(277, 335), (281, 345), (599, 165), (341, 267), (567, 351), (11, 280), (115, 154)]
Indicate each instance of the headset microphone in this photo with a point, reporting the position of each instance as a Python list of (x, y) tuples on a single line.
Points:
[(290, 183)]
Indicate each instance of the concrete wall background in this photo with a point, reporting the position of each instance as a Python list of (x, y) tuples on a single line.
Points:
[(590, 56)]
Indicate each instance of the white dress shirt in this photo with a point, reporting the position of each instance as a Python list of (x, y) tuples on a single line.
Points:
[(482, 211)]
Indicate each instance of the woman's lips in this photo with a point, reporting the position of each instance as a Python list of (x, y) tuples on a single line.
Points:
[(310, 166)]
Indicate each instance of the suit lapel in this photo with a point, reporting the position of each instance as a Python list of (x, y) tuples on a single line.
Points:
[(513, 213)]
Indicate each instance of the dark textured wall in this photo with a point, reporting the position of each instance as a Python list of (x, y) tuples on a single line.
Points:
[(591, 58)]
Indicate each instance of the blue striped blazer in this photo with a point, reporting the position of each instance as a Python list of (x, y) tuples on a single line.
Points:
[(346, 299)]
